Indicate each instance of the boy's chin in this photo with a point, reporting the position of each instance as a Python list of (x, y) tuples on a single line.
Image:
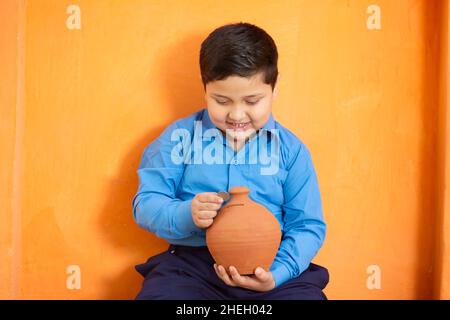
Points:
[(241, 135), (236, 135)]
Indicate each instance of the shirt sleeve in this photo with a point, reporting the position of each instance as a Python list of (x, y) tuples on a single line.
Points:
[(304, 226), (155, 206)]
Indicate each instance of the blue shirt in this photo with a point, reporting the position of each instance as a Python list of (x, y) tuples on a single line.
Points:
[(171, 173)]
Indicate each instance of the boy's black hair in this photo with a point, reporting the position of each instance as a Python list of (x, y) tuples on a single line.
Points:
[(239, 49)]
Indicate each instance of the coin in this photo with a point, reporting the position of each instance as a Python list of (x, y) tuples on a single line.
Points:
[(224, 195)]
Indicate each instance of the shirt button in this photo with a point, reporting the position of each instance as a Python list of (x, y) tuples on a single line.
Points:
[(235, 162)]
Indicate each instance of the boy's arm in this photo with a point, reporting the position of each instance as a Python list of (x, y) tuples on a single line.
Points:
[(155, 207), (304, 226)]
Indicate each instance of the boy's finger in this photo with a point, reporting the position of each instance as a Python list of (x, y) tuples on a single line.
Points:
[(221, 275), (207, 206), (261, 274), (225, 277), (237, 278), (206, 214), (210, 197), (205, 222)]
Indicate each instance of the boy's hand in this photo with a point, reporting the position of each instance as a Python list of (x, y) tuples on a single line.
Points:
[(261, 281), (204, 208)]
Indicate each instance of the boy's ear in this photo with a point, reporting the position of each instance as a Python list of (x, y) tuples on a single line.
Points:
[(275, 89)]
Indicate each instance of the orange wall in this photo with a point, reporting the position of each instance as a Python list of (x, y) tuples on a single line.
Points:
[(9, 18), (442, 231), (78, 107)]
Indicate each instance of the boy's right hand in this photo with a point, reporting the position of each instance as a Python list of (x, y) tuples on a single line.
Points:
[(204, 208)]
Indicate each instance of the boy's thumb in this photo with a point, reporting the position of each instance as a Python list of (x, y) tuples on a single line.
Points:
[(259, 272)]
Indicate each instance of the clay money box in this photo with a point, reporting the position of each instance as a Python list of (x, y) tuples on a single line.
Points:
[(244, 234)]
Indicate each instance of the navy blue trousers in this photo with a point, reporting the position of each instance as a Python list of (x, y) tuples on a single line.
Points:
[(187, 273)]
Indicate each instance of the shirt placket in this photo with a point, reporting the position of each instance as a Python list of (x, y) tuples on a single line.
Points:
[(238, 164)]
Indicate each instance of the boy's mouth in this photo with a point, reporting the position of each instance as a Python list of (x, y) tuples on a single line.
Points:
[(242, 126)]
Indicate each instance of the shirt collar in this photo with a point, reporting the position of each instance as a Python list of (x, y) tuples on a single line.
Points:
[(206, 120), (270, 124)]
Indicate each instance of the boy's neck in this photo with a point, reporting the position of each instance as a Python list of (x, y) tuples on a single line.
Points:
[(237, 145)]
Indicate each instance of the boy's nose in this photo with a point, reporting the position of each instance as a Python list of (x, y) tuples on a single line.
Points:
[(236, 115)]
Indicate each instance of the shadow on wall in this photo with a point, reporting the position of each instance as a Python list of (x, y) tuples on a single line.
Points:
[(427, 277), (179, 71)]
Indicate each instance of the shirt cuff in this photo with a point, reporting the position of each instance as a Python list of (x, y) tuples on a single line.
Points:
[(280, 273), (185, 223)]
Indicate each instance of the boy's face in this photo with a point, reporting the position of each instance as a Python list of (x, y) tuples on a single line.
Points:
[(239, 105)]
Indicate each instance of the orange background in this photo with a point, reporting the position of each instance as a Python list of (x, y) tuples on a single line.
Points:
[(79, 106)]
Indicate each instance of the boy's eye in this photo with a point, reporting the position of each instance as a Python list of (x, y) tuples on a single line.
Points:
[(251, 103), (221, 101)]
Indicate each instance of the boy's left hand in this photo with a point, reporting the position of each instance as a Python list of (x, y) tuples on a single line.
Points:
[(261, 281)]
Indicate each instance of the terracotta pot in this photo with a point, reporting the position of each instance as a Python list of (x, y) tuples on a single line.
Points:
[(244, 234)]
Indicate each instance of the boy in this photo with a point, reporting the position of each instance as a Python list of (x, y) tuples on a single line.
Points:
[(182, 171)]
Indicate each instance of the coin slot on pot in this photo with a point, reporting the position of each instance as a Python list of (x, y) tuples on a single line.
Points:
[(235, 205)]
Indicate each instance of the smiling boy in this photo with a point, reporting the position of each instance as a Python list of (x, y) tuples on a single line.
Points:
[(177, 200)]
